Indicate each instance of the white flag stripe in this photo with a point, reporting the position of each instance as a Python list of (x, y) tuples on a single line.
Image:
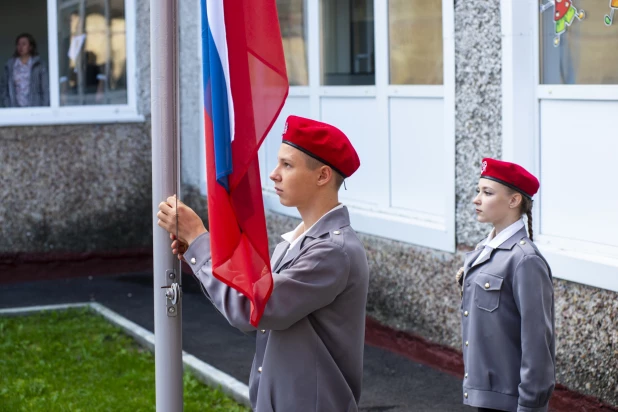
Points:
[(216, 21)]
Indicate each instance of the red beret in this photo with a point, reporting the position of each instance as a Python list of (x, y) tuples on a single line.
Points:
[(323, 142), (511, 175)]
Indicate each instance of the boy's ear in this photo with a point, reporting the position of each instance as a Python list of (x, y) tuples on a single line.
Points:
[(325, 176)]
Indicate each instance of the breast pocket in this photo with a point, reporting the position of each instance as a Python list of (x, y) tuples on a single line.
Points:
[(487, 293)]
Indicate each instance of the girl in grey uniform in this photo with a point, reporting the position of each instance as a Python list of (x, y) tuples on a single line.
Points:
[(507, 307)]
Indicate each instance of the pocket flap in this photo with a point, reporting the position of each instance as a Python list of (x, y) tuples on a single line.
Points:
[(488, 281)]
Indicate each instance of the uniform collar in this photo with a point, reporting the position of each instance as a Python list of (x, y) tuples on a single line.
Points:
[(510, 242), (500, 241), (289, 236), (336, 218)]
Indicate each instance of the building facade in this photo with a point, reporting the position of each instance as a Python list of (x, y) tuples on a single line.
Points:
[(424, 90)]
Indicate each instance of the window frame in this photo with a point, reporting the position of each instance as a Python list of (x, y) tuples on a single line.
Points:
[(573, 260), (56, 114), (384, 220)]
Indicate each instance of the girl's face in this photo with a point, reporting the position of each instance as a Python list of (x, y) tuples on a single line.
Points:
[(494, 202), (23, 47)]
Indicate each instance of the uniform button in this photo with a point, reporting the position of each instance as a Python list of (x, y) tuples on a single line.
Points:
[(487, 285), (263, 331), (336, 232), (260, 369), (466, 313), (193, 261), (466, 376), (466, 343), (466, 395), (523, 242)]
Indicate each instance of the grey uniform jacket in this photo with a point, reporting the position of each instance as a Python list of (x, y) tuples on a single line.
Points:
[(507, 315), (309, 344), (39, 85)]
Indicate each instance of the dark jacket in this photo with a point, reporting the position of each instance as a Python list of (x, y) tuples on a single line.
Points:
[(39, 85)]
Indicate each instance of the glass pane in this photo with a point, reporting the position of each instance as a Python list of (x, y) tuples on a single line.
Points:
[(415, 41), (92, 52), (348, 56), (24, 78), (578, 42), (294, 36)]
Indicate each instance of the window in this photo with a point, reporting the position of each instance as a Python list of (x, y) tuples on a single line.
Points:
[(579, 46), (559, 95), (348, 43), (399, 114), (293, 34), (415, 42), (85, 68), (92, 52)]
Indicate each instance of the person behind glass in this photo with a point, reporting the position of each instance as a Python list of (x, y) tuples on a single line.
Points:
[(25, 82), (310, 339), (507, 306)]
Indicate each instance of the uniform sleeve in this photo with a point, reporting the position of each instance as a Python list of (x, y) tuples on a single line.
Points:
[(534, 297), (317, 277)]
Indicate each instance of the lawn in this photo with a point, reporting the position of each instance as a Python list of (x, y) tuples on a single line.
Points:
[(75, 360)]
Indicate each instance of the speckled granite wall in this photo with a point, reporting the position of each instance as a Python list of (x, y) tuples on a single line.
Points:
[(587, 344), (478, 62), (75, 188)]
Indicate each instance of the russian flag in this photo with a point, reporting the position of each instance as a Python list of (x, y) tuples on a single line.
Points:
[(245, 87)]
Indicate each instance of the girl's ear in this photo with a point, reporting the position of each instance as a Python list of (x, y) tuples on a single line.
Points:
[(515, 200)]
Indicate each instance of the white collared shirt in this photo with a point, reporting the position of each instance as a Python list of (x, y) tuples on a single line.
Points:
[(493, 242), (289, 236)]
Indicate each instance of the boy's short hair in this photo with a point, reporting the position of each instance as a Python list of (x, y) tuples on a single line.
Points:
[(314, 164)]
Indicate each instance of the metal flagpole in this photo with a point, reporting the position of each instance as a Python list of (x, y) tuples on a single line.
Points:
[(165, 132)]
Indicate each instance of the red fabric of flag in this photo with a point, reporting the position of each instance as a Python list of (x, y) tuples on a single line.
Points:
[(259, 87)]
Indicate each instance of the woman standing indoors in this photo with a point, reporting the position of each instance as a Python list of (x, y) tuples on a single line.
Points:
[(25, 82), (507, 307)]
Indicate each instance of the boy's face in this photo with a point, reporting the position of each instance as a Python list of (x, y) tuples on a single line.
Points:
[(295, 184)]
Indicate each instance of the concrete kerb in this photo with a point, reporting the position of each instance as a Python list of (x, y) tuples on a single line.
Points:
[(202, 371)]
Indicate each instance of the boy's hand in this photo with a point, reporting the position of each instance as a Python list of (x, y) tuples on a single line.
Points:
[(179, 219), (178, 248)]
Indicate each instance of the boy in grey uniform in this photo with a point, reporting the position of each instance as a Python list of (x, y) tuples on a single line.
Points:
[(309, 343)]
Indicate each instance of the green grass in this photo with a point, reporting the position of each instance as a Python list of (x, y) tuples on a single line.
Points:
[(76, 361)]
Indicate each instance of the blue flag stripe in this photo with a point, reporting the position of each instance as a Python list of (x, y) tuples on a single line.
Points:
[(216, 102)]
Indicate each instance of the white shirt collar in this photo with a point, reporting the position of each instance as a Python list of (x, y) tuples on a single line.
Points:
[(495, 241), (492, 242), (289, 236)]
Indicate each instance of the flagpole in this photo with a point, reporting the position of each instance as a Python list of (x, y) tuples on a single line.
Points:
[(166, 278)]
